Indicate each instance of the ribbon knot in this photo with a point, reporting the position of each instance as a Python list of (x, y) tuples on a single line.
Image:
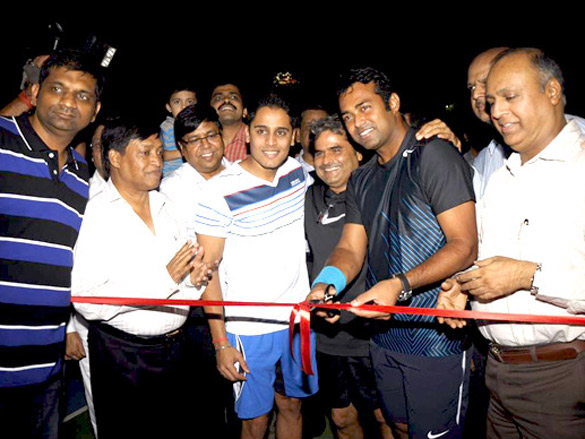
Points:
[(303, 310)]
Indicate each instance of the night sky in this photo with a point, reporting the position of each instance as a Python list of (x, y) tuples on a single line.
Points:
[(426, 58)]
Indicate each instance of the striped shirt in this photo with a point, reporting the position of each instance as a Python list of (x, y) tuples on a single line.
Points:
[(237, 148), (264, 253), (398, 204), (41, 209)]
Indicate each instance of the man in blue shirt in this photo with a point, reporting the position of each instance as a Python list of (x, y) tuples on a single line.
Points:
[(43, 193)]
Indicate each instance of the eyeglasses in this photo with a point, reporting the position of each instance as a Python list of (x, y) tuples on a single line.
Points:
[(198, 141)]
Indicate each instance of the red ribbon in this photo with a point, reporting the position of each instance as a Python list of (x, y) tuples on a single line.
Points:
[(303, 310)]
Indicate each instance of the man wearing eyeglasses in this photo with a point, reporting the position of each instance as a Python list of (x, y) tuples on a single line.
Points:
[(198, 135)]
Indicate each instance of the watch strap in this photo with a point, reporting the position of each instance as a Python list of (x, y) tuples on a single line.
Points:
[(406, 292), (534, 281)]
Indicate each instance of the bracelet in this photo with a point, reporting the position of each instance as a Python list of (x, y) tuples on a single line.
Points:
[(219, 340), (225, 346)]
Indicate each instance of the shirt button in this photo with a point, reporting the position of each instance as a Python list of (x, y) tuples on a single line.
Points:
[(51, 155), (55, 172)]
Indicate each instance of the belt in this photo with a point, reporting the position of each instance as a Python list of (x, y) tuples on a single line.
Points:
[(531, 354), (138, 339)]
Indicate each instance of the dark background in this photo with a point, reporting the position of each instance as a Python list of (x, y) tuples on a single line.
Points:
[(425, 52)]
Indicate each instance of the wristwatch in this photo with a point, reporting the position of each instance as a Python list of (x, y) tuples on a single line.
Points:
[(534, 282), (406, 292)]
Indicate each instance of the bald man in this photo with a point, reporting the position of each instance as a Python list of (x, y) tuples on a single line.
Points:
[(494, 154), (531, 257)]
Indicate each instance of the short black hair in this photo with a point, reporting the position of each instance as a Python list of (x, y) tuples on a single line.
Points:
[(273, 100), (189, 119), (314, 107), (76, 60), (180, 86), (119, 132), (365, 75), (330, 123)]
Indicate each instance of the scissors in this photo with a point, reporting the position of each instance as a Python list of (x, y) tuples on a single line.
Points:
[(329, 295)]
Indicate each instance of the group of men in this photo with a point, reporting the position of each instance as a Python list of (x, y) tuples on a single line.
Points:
[(400, 229)]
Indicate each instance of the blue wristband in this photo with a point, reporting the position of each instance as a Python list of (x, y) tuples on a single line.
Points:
[(331, 275)]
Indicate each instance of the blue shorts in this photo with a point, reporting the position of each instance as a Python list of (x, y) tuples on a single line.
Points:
[(263, 353), (427, 393)]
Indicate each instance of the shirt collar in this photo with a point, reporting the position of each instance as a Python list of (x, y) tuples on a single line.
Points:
[(237, 169), (334, 198), (186, 168), (302, 161), (492, 147), (240, 135), (561, 148), (33, 141), (36, 145), (190, 172), (156, 199), (97, 177), (408, 146)]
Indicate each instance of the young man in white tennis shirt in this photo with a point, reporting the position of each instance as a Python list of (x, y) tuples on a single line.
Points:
[(253, 219)]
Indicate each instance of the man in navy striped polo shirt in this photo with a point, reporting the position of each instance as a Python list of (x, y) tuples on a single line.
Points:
[(43, 193)]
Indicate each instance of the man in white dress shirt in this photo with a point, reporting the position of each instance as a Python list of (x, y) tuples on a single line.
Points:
[(199, 140), (198, 135), (76, 346), (532, 254), (494, 154), (132, 245)]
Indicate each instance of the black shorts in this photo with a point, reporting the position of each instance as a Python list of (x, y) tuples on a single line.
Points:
[(345, 380), (427, 393)]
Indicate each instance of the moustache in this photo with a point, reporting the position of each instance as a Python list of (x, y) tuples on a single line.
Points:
[(225, 104), (66, 110)]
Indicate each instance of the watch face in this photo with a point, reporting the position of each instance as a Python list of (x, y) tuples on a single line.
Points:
[(404, 296), (534, 282)]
